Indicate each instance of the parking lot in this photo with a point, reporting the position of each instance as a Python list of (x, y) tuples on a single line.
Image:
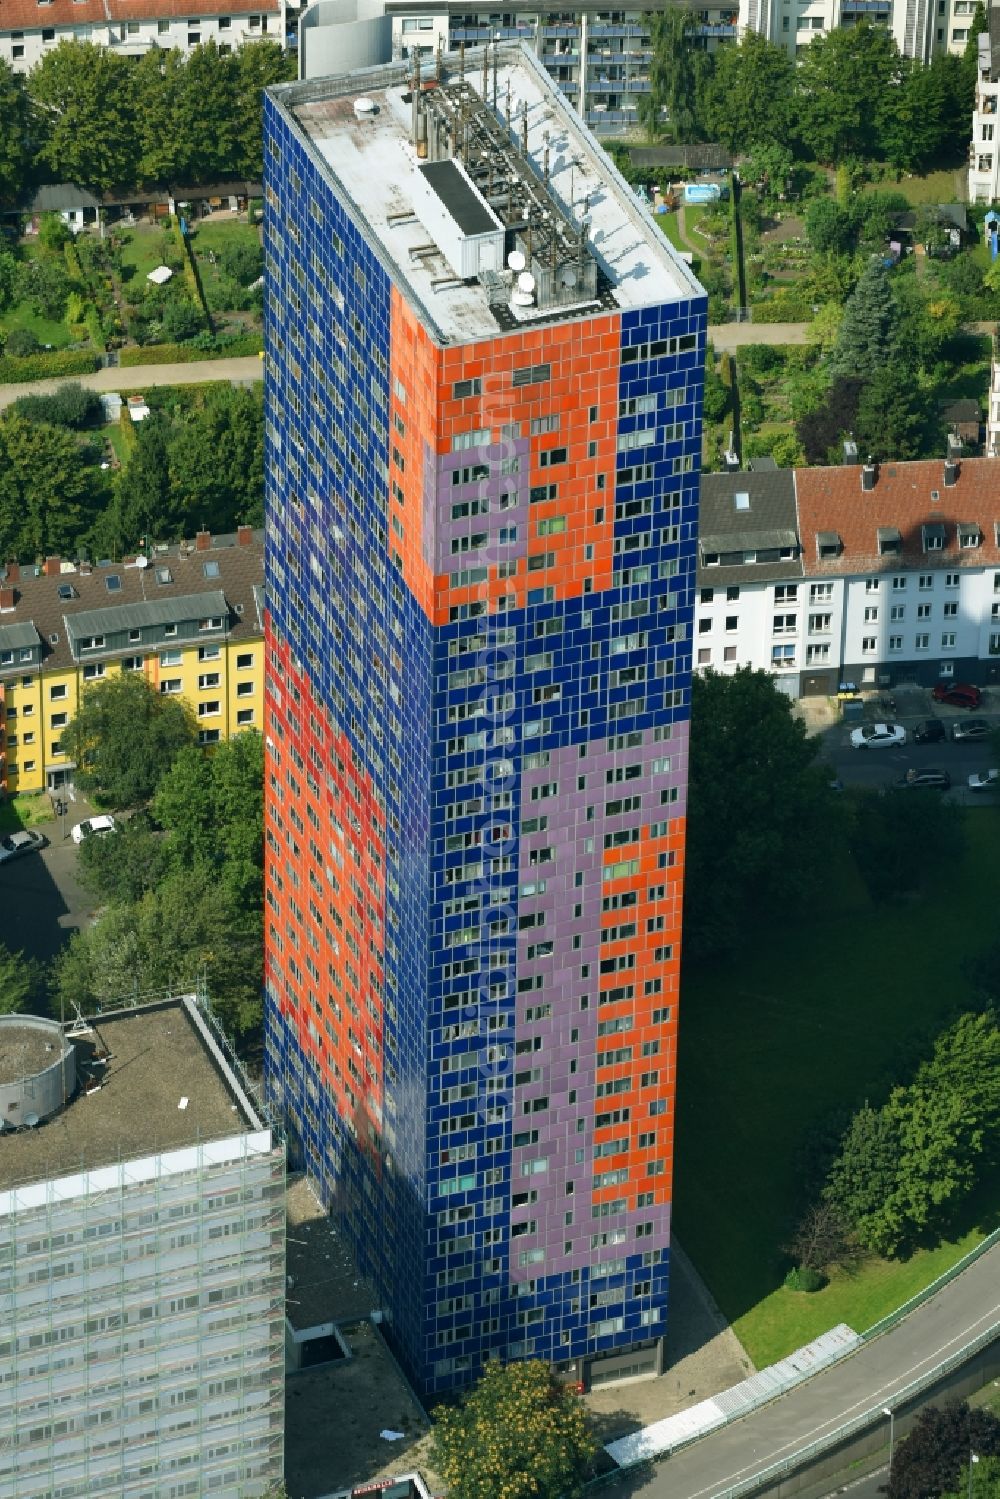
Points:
[(884, 766), (41, 900)]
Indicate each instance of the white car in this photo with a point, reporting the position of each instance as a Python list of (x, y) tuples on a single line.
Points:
[(878, 736), (93, 825), (984, 780)]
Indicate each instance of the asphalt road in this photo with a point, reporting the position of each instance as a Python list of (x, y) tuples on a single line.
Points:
[(881, 767), (870, 1379), (41, 899)]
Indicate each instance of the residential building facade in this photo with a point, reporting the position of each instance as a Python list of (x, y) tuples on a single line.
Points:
[(874, 574), (483, 394), (984, 149), (142, 1262), (189, 618), (31, 28)]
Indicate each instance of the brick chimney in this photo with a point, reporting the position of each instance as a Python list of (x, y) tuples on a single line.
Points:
[(203, 541), (52, 567), (244, 535), (8, 597), (13, 573)]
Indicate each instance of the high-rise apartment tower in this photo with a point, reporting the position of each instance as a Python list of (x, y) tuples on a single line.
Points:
[(484, 387)]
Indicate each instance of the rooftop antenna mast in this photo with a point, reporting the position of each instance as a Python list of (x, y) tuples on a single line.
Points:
[(461, 63), (496, 52), (486, 73)]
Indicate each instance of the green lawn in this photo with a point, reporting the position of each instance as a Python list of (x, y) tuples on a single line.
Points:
[(820, 1016), (142, 250), (24, 812), (945, 186), (215, 237)]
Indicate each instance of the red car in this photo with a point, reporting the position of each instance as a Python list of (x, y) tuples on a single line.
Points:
[(958, 694)]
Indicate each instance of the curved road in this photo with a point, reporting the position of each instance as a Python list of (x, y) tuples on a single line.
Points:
[(868, 1380)]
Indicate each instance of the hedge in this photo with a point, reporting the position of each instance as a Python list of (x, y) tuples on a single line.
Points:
[(47, 366), (237, 348)]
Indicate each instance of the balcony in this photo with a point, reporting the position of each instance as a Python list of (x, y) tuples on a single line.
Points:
[(560, 31), (620, 31), (866, 7), (560, 59), (719, 30), (487, 33)]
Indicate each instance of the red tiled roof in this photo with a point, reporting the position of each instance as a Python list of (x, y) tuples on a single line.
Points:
[(908, 497), (28, 15)]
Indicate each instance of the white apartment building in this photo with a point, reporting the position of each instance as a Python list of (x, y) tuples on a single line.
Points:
[(30, 28), (141, 1263), (871, 574), (984, 148), (921, 27)]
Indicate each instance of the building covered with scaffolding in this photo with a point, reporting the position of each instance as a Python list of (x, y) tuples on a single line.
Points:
[(141, 1261)]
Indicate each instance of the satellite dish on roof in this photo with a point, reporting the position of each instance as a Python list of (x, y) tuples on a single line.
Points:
[(515, 260), (526, 282)]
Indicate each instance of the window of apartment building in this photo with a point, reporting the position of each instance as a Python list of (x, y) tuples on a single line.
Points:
[(707, 595), (868, 643), (92, 643), (57, 693), (244, 716), (732, 623), (783, 624), (244, 661), (871, 614), (132, 663), (951, 609), (948, 640), (783, 655), (925, 581), (895, 642), (170, 685), (872, 585), (162, 27), (820, 593), (171, 658), (922, 642), (786, 593), (208, 736), (209, 709), (820, 624), (58, 720), (952, 580), (244, 689), (898, 584), (923, 611), (729, 653), (817, 654), (704, 656), (214, 622), (209, 652), (94, 671), (48, 34), (208, 679)]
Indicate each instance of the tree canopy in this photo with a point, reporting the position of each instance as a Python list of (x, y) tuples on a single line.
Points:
[(19, 981), (124, 738), (14, 135), (48, 493), (761, 816), (516, 1435), (929, 1461)]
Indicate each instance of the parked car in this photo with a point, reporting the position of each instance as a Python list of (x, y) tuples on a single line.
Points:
[(13, 845), (971, 728), (984, 780), (878, 736), (929, 731), (94, 827), (957, 694), (935, 780)]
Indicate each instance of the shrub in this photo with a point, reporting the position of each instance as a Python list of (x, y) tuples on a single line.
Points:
[(46, 366), (181, 321), (243, 261), (204, 347), (21, 341), (801, 1279), (95, 328), (69, 406), (53, 234)]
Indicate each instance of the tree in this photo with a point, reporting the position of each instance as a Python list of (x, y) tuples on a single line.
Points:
[(258, 66), (896, 416), (864, 1173), (14, 135), (190, 925), (984, 1479), (896, 837), (839, 81), (125, 737), (829, 227), (212, 807), (47, 493), (19, 981), (517, 1435), (142, 500), (749, 100), (929, 1461), (750, 854), (217, 463), (83, 99), (869, 330), (822, 430), (769, 169), (820, 1239), (124, 867), (678, 76)]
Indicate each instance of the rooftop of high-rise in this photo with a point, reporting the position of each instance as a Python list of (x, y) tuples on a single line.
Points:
[(483, 191), (139, 1082)]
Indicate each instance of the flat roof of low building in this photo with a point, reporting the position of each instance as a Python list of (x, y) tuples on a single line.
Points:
[(372, 161), (165, 1085)]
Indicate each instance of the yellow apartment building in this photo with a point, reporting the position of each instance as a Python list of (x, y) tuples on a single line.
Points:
[(189, 617)]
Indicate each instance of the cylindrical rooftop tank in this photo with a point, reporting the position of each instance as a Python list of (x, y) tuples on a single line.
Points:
[(37, 1070)]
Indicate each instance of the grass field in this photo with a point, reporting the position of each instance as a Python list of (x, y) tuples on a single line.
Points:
[(945, 186), (24, 812), (142, 250), (820, 1016)]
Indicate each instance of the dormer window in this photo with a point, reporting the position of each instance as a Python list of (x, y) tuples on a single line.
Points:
[(828, 545), (969, 536), (933, 536), (890, 541), (711, 559)]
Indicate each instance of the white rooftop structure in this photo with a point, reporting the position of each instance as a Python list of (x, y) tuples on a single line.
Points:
[(486, 152)]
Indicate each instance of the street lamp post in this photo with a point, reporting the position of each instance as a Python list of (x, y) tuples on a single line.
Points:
[(886, 1411), (973, 1458)]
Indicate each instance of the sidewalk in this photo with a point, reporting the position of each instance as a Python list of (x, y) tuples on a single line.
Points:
[(144, 375)]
